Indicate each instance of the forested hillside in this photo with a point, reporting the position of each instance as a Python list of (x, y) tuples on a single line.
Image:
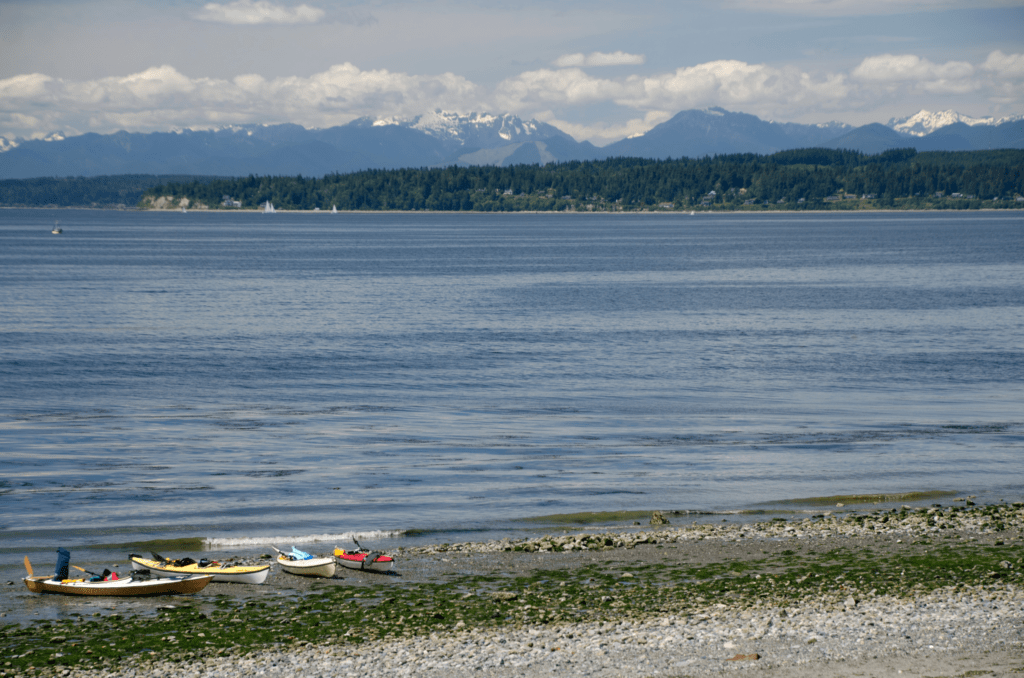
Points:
[(122, 191), (798, 179)]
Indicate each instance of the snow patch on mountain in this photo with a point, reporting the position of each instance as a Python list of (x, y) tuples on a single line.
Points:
[(10, 144), (449, 125), (924, 122), (467, 128), (833, 125)]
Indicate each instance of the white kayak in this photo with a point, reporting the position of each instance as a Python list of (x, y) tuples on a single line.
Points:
[(310, 567), (238, 574)]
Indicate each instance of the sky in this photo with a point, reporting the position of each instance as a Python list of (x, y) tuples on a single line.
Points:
[(599, 70)]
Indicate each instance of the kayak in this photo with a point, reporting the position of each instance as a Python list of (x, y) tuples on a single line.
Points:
[(119, 587), (239, 574), (310, 567), (368, 561)]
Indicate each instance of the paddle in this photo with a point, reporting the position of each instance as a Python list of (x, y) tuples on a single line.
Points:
[(28, 566), (82, 569)]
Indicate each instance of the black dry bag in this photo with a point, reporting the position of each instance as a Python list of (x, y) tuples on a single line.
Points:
[(63, 560)]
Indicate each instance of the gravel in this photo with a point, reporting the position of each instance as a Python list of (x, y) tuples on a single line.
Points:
[(976, 629), (936, 626)]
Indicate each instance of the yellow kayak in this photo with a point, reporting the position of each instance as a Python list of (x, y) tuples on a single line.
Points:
[(240, 574), (118, 587)]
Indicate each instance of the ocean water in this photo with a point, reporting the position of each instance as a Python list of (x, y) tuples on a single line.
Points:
[(234, 380)]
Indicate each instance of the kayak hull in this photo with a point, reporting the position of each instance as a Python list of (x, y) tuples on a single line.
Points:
[(119, 587), (357, 561), (313, 567), (242, 574)]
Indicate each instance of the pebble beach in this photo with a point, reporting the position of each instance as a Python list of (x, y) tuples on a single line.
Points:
[(981, 628), (776, 609)]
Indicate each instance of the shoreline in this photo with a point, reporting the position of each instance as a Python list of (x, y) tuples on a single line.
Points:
[(680, 212), (907, 588)]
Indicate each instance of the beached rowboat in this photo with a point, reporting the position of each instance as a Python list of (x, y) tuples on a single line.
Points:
[(364, 560), (311, 567), (119, 587), (239, 574)]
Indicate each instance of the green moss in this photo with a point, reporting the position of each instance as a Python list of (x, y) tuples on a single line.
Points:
[(588, 518), (851, 499), (215, 625)]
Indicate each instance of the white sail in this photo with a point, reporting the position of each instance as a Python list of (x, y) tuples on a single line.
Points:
[(334, 209), (268, 207)]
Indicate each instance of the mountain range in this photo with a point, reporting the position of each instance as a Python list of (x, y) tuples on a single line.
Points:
[(442, 138)]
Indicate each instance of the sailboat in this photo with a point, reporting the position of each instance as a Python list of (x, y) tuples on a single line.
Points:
[(334, 209), (57, 230), (268, 207)]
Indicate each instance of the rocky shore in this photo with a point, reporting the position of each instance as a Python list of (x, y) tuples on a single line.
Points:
[(911, 592), (982, 629)]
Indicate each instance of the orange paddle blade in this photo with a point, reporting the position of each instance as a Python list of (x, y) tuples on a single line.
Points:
[(28, 566)]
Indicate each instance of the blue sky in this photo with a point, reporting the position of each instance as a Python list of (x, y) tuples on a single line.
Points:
[(598, 70)]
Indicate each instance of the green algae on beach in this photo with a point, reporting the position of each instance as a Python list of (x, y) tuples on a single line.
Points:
[(923, 554), (851, 499), (589, 517)]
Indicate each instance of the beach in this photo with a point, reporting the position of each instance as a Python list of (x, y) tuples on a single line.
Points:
[(929, 591)]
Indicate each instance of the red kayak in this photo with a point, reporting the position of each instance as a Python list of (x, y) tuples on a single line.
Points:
[(368, 561)]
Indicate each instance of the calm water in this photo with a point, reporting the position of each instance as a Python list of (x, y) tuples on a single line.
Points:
[(243, 378)]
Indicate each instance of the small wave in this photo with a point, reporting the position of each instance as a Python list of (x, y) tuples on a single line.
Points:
[(305, 539)]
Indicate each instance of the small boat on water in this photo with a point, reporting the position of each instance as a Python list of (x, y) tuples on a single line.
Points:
[(369, 561), (238, 574), (57, 230), (305, 565), (268, 207)]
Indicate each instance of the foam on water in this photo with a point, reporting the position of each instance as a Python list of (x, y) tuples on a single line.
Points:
[(371, 535)]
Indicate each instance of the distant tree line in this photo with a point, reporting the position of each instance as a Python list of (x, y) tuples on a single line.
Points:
[(123, 190), (813, 178)]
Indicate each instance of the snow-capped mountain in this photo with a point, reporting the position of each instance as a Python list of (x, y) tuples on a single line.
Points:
[(434, 139), (10, 144), (475, 130), (924, 122), (442, 138)]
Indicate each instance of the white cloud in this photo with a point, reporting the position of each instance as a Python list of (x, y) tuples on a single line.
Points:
[(599, 59), (952, 77), (737, 83), (31, 86), (161, 98), (1005, 65), (258, 12), (602, 134), (567, 86), (716, 83), (904, 67)]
